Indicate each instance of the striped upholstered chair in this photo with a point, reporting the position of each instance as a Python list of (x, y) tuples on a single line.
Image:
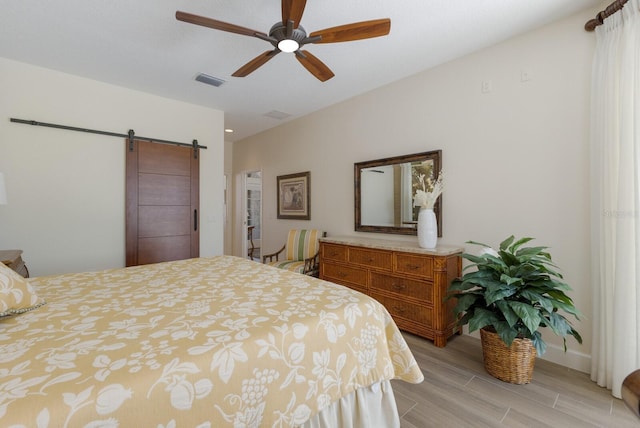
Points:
[(299, 253)]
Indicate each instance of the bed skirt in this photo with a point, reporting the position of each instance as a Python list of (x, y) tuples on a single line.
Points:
[(374, 406)]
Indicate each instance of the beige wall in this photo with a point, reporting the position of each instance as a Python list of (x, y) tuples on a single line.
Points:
[(66, 189), (515, 158)]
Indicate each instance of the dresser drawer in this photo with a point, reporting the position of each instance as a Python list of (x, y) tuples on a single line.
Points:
[(333, 252), (406, 287), (414, 265), (371, 258), (345, 274), (410, 311), (407, 280)]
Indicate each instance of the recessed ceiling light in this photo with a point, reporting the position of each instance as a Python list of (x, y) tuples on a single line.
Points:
[(228, 130)]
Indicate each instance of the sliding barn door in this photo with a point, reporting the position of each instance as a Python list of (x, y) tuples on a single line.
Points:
[(162, 197)]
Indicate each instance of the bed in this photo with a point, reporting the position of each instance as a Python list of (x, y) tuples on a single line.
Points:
[(206, 342)]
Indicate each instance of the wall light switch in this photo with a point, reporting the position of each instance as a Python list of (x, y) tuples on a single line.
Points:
[(487, 86)]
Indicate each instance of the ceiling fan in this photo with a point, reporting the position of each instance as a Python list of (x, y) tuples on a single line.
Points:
[(289, 36)]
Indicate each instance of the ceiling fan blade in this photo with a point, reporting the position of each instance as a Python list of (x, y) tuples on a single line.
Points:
[(293, 10), (217, 25), (314, 65), (253, 65), (355, 31)]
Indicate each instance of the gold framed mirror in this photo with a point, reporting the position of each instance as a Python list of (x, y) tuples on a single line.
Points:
[(384, 191)]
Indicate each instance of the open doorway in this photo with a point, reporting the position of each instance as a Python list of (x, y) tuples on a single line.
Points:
[(252, 224)]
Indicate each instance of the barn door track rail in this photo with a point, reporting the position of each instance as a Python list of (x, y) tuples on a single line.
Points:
[(130, 135)]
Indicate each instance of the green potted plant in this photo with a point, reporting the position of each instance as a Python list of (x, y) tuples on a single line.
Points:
[(509, 295)]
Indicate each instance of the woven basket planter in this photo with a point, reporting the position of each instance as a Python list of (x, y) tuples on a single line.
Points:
[(512, 364)]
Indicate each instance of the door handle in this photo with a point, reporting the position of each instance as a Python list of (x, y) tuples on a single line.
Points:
[(195, 220)]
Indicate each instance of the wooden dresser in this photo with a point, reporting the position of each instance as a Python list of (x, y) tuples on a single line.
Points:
[(13, 260), (409, 281)]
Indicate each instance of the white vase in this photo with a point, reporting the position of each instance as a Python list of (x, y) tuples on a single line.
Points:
[(427, 228)]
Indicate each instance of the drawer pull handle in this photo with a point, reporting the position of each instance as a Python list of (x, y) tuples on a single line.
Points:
[(399, 287), (413, 267), (398, 309), (343, 274)]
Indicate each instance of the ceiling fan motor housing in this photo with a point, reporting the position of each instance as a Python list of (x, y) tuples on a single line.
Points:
[(279, 33)]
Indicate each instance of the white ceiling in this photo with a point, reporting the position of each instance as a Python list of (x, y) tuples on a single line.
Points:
[(140, 45)]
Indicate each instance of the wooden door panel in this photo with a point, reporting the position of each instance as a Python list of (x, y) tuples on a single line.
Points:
[(163, 249), (162, 203), (154, 221), (164, 159), (155, 189)]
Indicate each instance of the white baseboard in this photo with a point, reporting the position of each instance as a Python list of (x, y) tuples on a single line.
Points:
[(571, 359)]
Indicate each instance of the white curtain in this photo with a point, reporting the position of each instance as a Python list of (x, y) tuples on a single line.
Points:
[(615, 210)]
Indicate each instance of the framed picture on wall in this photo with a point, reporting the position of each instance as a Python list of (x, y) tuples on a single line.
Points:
[(294, 196)]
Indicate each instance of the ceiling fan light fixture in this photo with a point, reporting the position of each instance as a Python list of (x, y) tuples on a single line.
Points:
[(289, 36), (288, 45)]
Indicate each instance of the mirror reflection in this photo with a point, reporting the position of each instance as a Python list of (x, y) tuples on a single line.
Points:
[(385, 189)]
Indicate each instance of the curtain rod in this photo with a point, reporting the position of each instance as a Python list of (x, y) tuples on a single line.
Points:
[(129, 135), (603, 14)]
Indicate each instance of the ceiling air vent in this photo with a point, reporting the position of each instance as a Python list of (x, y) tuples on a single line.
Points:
[(275, 114), (209, 80)]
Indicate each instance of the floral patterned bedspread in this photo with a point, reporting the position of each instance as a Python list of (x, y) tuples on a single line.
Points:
[(207, 342)]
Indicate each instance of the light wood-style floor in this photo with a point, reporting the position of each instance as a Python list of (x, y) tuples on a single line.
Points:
[(457, 392)]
